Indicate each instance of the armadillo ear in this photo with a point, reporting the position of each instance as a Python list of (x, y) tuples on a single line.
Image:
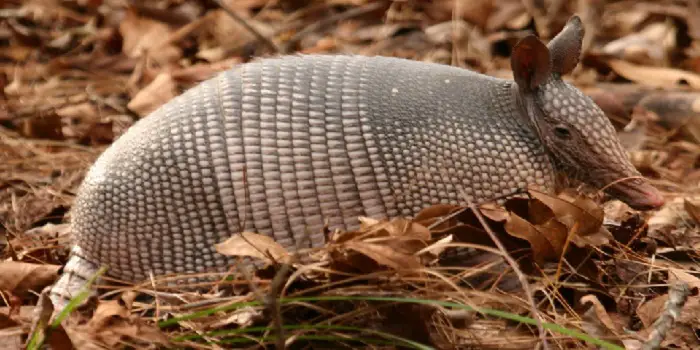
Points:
[(530, 62), (566, 46)]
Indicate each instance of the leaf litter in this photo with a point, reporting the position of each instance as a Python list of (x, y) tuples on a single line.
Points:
[(75, 74)]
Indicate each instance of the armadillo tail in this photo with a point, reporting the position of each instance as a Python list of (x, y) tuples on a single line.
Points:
[(77, 272)]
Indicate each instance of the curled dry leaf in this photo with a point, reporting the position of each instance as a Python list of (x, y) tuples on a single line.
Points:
[(434, 213), (10, 331), (579, 214), (366, 222), (249, 244), (11, 336), (241, 318), (650, 310), (544, 239), (597, 321), (671, 216), (401, 234), (654, 76), (112, 325), (649, 45), (494, 212), (20, 277), (143, 35), (570, 208), (393, 244), (693, 209), (600, 312), (385, 255), (435, 249), (199, 72), (46, 126), (85, 110), (678, 275), (407, 228)]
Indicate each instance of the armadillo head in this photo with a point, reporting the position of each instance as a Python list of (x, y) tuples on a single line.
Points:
[(579, 137)]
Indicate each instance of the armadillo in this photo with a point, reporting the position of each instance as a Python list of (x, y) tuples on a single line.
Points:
[(284, 145)]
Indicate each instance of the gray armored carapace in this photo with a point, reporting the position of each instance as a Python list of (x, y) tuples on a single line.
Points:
[(281, 145)]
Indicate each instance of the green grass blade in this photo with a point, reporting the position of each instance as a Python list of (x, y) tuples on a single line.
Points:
[(78, 299), (486, 311), (305, 337), (37, 341), (228, 332)]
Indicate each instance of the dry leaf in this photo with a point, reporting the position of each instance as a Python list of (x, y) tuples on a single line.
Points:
[(597, 321), (203, 71), (600, 312), (6, 321), (46, 126), (580, 213), (672, 215), (58, 338), (385, 255), (542, 248), (142, 35), (20, 277), (387, 243), (650, 45), (692, 209), (437, 248), (241, 318), (12, 337), (428, 216), (654, 76), (84, 110), (494, 212), (406, 228), (112, 325), (161, 90), (650, 310), (253, 245), (676, 275), (366, 223)]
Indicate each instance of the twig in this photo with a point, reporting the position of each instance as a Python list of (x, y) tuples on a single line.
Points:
[(357, 11), (677, 296), (273, 304), (263, 39), (514, 265), (271, 301), (156, 315)]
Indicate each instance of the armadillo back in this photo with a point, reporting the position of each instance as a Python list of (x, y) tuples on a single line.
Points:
[(282, 145)]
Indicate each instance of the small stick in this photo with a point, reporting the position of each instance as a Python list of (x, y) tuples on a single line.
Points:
[(514, 265), (677, 296), (263, 39), (273, 304), (156, 315), (358, 11)]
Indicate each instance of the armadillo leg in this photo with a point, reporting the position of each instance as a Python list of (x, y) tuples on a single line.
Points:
[(77, 272)]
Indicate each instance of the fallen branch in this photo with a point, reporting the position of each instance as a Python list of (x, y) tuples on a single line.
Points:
[(677, 296)]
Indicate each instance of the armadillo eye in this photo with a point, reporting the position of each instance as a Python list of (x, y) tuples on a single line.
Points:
[(562, 132)]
